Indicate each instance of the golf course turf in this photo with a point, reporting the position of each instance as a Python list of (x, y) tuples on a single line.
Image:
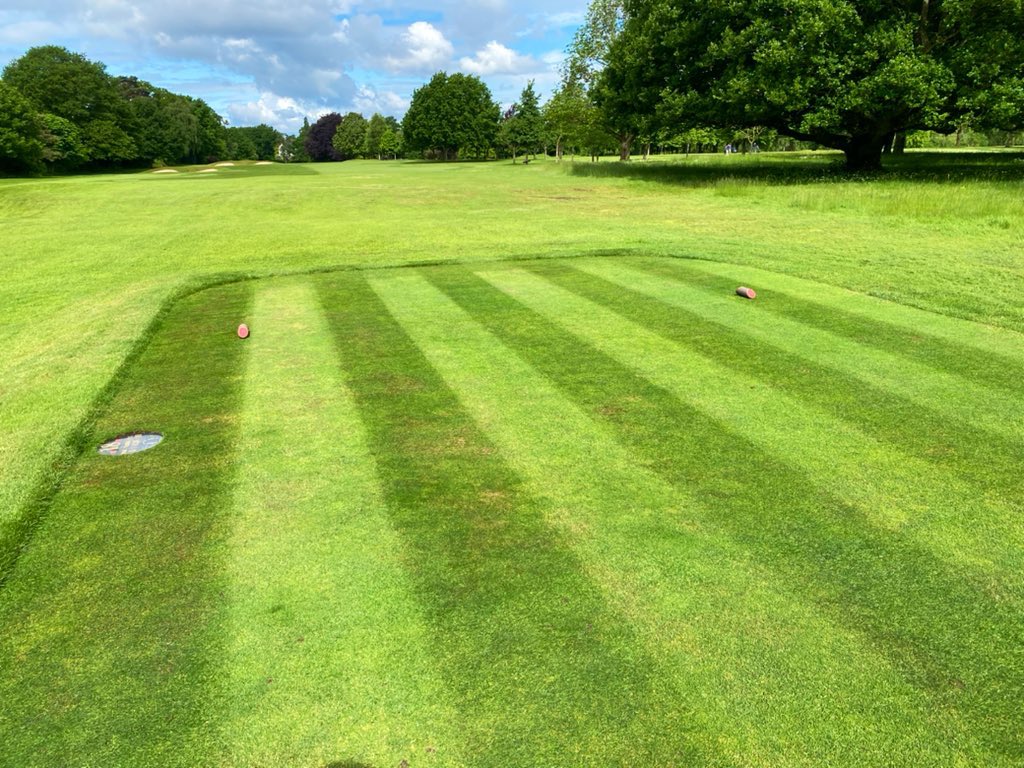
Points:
[(587, 509)]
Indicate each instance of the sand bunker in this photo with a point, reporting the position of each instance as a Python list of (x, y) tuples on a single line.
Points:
[(225, 163), (208, 170), (166, 170), (264, 162)]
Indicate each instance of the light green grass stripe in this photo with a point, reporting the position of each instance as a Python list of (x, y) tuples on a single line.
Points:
[(328, 659), (754, 672), (992, 409), (980, 336), (895, 491)]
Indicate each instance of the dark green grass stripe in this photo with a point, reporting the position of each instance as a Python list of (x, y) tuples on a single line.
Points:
[(942, 354), (946, 634), (987, 460), (544, 671), (110, 638), (16, 531)]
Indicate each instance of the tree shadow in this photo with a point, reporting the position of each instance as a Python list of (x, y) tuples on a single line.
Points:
[(779, 169)]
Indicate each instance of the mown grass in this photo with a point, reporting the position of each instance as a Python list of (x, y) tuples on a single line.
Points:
[(111, 618), (595, 511), (592, 510), (88, 261)]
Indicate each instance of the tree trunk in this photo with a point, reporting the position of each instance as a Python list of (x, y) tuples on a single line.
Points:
[(864, 153), (558, 150), (625, 140), (899, 144)]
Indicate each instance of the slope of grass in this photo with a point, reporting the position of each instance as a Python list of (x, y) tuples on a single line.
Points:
[(592, 511)]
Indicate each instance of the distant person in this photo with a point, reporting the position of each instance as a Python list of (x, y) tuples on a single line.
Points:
[(754, 147)]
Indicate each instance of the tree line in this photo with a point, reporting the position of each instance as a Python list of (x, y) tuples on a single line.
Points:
[(61, 112), (863, 78), (854, 76)]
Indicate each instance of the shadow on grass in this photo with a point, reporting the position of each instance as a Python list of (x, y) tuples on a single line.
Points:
[(779, 169)]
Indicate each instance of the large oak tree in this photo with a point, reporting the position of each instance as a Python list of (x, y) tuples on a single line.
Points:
[(452, 114), (843, 74)]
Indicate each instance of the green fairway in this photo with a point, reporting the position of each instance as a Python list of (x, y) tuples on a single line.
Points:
[(562, 499)]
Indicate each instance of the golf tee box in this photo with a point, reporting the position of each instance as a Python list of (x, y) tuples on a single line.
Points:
[(746, 293)]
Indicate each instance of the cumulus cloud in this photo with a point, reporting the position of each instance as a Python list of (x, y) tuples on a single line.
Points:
[(495, 59), (367, 101), (426, 48), (248, 58), (282, 112)]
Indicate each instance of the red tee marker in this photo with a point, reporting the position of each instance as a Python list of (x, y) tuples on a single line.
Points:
[(746, 293), (243, 331)]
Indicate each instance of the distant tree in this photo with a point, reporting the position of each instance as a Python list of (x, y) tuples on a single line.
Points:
[(508, 136), (588, 55), (318, 141), (163, 124), (68, 85), (298, 148), (350, 136), (521, 126), (567, 115), (21, 134), (239, 144), (210, 135), (64, 147), (451, 114), (374, 134), (391, 141), (265, 139)]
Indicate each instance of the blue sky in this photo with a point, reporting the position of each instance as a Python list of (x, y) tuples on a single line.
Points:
[(276, 62)]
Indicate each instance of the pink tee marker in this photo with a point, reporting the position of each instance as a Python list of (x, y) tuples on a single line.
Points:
[(243, 331), (747, 293)]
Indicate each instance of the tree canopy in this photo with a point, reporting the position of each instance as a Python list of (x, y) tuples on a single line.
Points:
[(521, 126), (88, 118), (21, 143), (350, 136), (319, 139), (451, 115), (843, 74)]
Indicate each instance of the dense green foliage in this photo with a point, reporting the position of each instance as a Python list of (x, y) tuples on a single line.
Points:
[(841, 74), (521, 126), (257, 142), (21, 132), (349, 140), (451, 116)]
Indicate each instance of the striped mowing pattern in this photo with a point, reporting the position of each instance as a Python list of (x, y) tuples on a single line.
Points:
[(584, 512)]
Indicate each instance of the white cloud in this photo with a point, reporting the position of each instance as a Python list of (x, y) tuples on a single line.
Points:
[(367, 101), (495, 59), (426, 48), (244, 56), (282, 112)]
